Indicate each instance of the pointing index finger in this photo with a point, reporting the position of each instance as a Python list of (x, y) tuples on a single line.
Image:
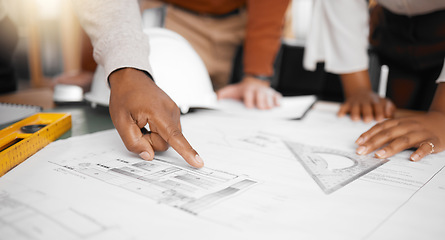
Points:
[(178, 142)]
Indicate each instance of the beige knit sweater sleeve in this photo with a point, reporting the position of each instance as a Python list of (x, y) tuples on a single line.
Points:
[(2, 10), (115, 29)]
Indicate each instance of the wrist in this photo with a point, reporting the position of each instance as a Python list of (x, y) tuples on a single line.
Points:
[(121, 75), (438, 104), (356, 82), (250, 80), (266, 78)]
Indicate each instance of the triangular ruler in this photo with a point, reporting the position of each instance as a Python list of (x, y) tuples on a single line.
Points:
[(333, 169)]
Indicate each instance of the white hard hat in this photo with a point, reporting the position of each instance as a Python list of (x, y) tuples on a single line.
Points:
[(176, 68)]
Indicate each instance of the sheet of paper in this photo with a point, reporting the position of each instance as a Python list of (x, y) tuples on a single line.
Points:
[(11, 112), (185, 188), (423, 216), (76, 191), (352, 212), (290, 108)]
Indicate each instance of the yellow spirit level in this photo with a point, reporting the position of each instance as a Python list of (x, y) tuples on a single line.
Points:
[(24, 138)]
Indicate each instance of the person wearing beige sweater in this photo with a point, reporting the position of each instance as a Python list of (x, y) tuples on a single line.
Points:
[(121, 47)]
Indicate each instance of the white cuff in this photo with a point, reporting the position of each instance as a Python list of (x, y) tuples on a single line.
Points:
[(441, 77), (338, 36)]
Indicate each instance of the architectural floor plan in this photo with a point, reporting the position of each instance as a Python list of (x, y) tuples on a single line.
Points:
[(185, 188), (253, 186)]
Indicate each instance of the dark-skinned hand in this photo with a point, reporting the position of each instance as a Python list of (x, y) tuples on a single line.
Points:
[(135, 101), (425, 131), (367, 105), (361, 103)]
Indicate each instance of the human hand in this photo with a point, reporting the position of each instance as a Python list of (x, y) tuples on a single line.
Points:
[(367, 105), (426, 132), (253, 92), (135, 101)]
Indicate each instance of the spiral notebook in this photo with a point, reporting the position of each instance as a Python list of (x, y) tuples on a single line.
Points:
[(10, 112)]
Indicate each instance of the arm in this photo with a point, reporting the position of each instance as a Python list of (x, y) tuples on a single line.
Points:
[(121, 47), (425, 131), (83, 77), (338, 37), (263, 37)]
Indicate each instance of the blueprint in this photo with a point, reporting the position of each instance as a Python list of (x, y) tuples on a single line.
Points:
[(184, 188), (252, 187), (31, 214)]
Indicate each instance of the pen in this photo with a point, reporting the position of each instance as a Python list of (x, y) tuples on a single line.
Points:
[(384, 70)]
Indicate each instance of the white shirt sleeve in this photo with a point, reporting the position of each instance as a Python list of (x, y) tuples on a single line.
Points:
[(338, 36), (412, 7), (115, 29), (441, 77)]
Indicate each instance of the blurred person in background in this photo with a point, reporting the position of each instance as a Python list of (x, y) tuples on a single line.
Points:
[(216, 29), (121, 47), (8, 43), (409, 37)]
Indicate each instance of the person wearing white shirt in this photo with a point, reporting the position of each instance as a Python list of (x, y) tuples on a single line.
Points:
[(121, 47), (339, 38)]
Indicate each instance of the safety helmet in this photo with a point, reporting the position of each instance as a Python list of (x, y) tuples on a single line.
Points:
[(176, 68)]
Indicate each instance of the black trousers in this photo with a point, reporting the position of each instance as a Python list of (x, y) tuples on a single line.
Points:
[(414, 50)]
